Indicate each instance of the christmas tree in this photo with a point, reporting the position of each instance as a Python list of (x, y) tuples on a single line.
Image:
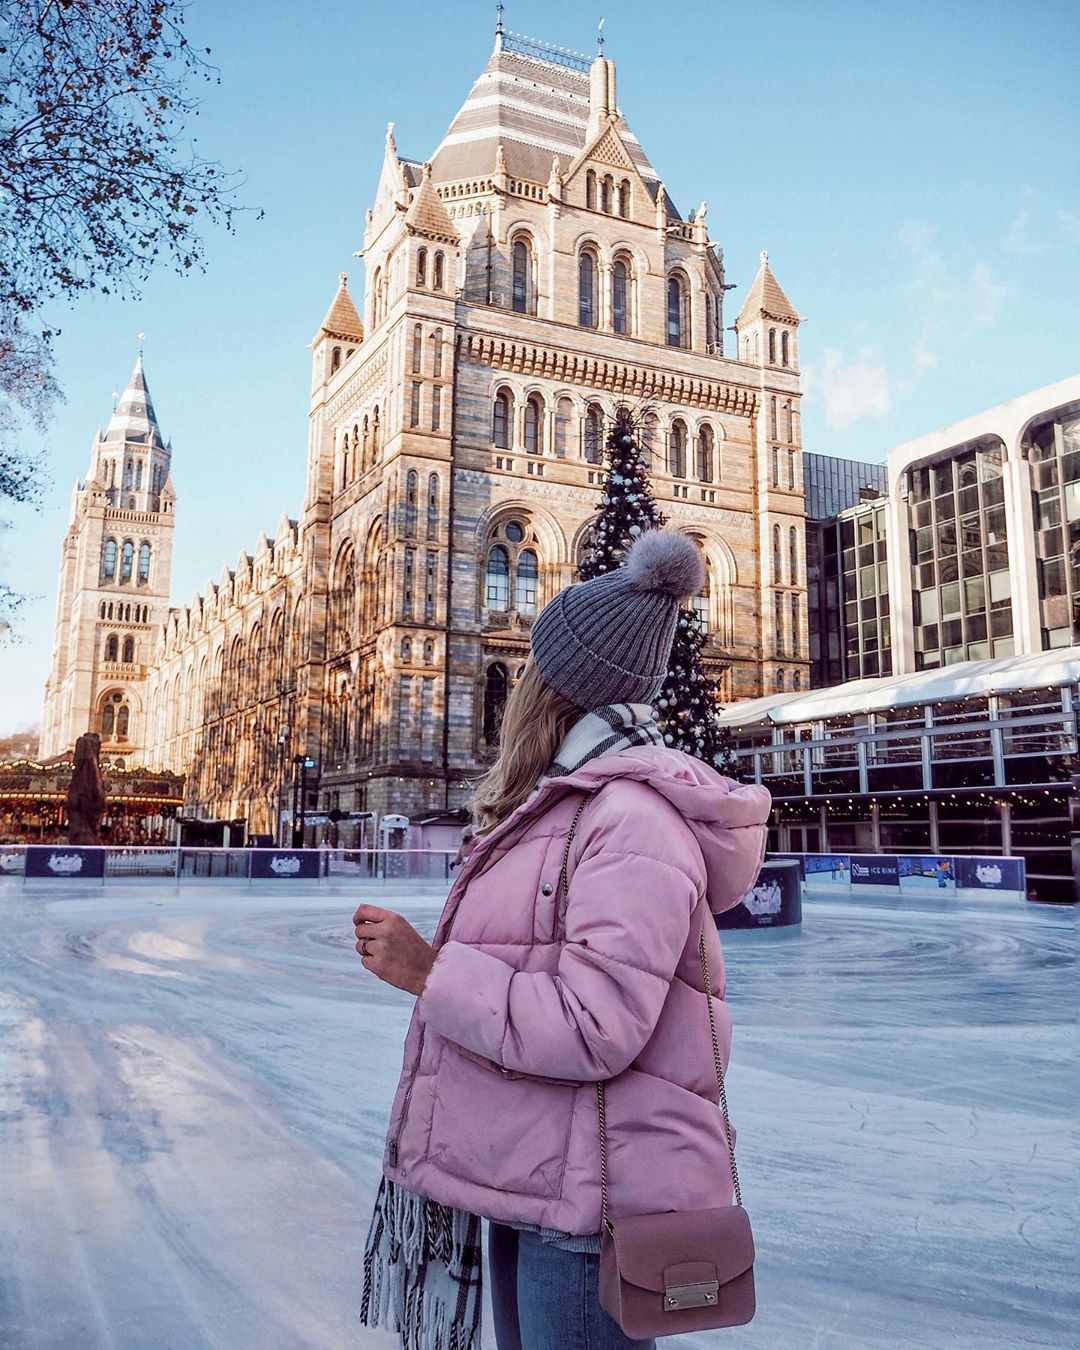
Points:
[(687, 703), (627, 506)]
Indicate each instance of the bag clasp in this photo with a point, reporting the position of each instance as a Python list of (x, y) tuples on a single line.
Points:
[(702, 1295)]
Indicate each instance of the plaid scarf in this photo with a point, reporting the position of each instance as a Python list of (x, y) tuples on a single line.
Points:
[(423, 1261)]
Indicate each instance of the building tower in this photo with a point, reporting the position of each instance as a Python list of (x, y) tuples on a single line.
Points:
[(113, 594), (767, 330)]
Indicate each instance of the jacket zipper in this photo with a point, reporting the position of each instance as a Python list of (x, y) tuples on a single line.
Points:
[(465, 875), (392, 1149)]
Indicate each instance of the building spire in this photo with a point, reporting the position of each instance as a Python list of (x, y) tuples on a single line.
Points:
[(499, 29), (600, 38), (133, 417)]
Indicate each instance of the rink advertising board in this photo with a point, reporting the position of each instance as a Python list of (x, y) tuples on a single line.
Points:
[(64, 862), (874, 869), (774, 900), (285, 864), (991, 874)]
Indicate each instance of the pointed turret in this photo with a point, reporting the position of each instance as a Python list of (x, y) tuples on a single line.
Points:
[(342, 320), (134, 419), (766, 298), (426, 214), (768, 322)]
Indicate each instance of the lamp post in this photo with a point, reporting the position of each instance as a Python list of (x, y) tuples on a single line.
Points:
[(282, 745)]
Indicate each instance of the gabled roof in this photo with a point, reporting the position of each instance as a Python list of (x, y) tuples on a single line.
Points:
[(426, 214), (766, 298), (134, 419), (342, 320), (535, 109)]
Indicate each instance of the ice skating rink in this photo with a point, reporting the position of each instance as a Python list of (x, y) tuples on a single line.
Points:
[(194, 1086)]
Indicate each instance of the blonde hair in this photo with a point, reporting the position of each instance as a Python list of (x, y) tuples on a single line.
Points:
[(534, 721)]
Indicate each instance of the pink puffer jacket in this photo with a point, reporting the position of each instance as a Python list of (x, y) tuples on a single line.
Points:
[(527, 1006)]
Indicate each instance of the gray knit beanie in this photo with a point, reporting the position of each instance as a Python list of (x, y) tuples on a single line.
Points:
[(608, 640)]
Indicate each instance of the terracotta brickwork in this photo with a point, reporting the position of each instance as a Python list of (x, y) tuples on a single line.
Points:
[(522, 285)]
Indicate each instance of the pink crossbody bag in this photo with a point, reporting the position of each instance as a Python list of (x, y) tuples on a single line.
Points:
[(678, 1271)]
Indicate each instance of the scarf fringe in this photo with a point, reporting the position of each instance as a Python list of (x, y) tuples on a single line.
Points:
[(422, 1272)]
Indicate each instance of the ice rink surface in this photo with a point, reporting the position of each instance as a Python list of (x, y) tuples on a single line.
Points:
[(194, 1087)]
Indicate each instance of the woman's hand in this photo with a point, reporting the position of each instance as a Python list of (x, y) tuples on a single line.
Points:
[(396, 952)]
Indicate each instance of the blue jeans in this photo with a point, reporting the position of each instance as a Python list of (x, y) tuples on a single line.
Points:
[(546, 1298)]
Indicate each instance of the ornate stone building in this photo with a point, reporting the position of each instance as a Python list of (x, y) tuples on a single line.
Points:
[(523, 283)]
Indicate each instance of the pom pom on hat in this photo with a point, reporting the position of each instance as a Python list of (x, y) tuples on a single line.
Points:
[(664, 562)]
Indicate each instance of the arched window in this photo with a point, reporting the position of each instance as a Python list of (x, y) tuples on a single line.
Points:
[(778, 620), (796, 679), (677, 449), (793, 556), (144, 561), (590, 190), (564, 413), (376, 297), (605, 194), (375, 437), (498, 577), (587, 290), (417, 348), (437, 272), (122, 721), (436, 353), (678, 334), (705, 454), (785, 360), (650, 436), (335, 360), (708, 319), (772, 419), (421, 267), (620, 295), (521, 267), (793, 600), (593, 435), (129, 649), (624, 199), (534, 425), (412, 487), (701, 603), (108, 714), (777, 577), (789, 426), (433, 506), (112, 645), (108, 564), (495, 689), (414, 404), (779, 681), (429, 651), (525, 589), (772, 346), (502, 420), (127, 557), (406, 650)]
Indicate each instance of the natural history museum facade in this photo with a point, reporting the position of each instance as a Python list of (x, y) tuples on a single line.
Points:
[(529, 279)]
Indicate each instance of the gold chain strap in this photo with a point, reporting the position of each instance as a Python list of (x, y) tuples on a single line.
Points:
[(715, 1045)]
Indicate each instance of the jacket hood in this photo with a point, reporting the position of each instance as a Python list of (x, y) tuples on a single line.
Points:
[(726, 818)]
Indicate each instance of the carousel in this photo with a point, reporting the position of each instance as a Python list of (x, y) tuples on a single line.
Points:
[(140, 804)]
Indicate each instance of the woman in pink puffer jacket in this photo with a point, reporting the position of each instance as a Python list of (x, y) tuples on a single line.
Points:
[(526, 998)]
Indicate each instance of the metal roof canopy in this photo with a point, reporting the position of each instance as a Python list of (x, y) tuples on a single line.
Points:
[(966, 679)]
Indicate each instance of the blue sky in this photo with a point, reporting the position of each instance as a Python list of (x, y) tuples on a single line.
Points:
[(910, 168)]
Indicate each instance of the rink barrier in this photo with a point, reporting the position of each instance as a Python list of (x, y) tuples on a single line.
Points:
[(943, 875), (104, 863)]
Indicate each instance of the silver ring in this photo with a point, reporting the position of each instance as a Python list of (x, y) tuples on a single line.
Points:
[(363, 946)]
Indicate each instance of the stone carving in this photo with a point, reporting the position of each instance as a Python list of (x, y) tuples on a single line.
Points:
[(86, 795)]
